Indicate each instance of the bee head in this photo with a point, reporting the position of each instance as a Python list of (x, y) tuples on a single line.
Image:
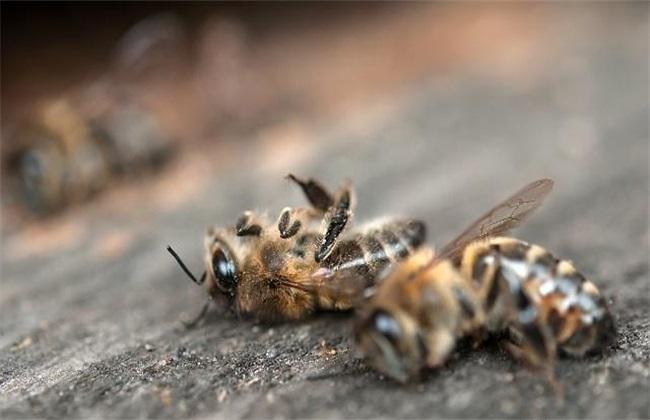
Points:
[(391, 341), (222, 267)]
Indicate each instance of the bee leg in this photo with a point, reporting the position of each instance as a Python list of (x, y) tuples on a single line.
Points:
[(201, 315), (478, 337), (317, 195), (246, 225), (490, 284), (336, 218), (538, 353), (286, 227)]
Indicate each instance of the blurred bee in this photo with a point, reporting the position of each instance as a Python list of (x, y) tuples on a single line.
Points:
[(64, 154), (56, 160), (483, 283), (309, 260), (70, 147)]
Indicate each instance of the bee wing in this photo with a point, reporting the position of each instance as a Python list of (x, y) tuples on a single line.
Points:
[(345, 290), (505, 216), (350, 290), (150, 44)]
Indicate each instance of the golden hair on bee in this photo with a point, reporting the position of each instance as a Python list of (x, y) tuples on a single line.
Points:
[(416, 316), (309, 259), (483, 283)]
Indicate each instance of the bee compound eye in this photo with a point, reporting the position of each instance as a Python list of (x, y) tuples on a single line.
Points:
[(385, 324), (225, 271)]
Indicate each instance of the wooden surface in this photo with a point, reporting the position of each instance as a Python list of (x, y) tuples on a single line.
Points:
[(90, 303)]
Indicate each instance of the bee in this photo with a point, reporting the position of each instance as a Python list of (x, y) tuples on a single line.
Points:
[(483, 283), (65, 154), (57, 160), (309, 260), (67, 148)]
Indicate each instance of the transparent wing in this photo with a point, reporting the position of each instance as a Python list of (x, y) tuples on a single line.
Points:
[(344, 288), (155, 43), (349, 290), (507, 215)]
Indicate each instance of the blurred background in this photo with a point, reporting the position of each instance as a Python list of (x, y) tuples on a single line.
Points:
[(127, 126), (150, 102)]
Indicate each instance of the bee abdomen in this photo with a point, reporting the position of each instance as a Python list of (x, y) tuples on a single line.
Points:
[(393, 242), (347, 255), (375, 253), (483, 263), (412, 232), (369, 253), (522, 283)]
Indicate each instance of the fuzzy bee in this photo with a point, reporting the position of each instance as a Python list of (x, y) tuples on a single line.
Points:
[(309, 260), (65, 154), (483, 283)]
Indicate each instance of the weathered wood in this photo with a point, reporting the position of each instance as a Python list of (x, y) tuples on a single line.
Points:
[(90, 331)]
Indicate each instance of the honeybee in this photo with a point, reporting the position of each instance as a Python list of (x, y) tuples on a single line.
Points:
[(309, 260), (483, 283), (57, 158), (67, 148), (65, 154)]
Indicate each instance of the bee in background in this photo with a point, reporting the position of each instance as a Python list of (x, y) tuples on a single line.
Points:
[(310, 259), (56, 160), (65, 149), (483, 283), (64, 153)]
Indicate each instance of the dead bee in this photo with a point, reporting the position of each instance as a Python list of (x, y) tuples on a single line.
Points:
[(57, 160), (309, 260), (65, 154), (483, 283)]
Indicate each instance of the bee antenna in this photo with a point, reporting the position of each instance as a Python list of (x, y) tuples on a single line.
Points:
[(184, 267)]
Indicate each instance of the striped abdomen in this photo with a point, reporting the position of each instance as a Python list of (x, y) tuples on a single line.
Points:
[(367, 254), (358, 260), (545, 301)]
